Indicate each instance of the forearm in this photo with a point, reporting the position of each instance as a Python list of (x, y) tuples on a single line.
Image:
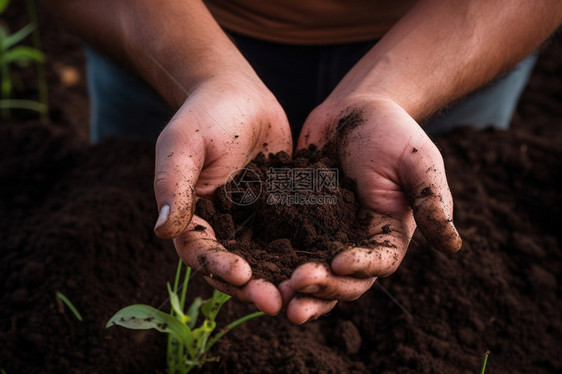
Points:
[(442, 50), (179, 35)]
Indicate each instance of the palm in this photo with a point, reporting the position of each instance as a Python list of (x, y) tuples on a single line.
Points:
[(398, 171), (217, 131), (220, 129)]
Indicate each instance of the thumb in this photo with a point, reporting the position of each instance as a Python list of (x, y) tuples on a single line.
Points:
[(423, 174), (179, 160), (313, 131)]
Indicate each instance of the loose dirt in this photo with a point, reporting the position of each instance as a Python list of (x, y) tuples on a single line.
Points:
[(281, 212)]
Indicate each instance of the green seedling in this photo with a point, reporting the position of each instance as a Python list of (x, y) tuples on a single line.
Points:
[(41, 70), (188, 343), (483, 369), (60, 296), (20, 55)]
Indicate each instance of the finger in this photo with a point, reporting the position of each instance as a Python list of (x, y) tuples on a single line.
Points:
[(179, 160), (198, 248), (278, 137), (382, 253), (287, 293), (310, 133), (264, 295), (423, 176), (303, 308), (317, 280)]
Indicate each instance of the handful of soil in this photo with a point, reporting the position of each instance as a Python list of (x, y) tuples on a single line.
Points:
[(280, 212)]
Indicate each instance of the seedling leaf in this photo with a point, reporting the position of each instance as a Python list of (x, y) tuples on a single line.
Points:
[(3, 5), (17, 37), (175, 301), (212, 307), (22, 54), (69, 304), (201, 335), (225, 330), (6, 86), (23, 104), (483, 369), (144, 317), (188, 346), (193, 312), (3, 32)]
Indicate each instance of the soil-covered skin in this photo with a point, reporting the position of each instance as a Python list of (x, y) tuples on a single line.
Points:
[(280, 212), (78, 219)]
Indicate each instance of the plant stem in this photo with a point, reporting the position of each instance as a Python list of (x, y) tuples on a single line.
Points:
[(22, 104), (41, 71), (225, 330), (170, 356), (182, 303), (184, 289), (71, 306), (177, 279), (484, 363), (5, 88)]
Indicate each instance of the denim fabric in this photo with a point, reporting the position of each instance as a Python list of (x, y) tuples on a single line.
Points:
[(301, 77), (491, 106), (122, 105)]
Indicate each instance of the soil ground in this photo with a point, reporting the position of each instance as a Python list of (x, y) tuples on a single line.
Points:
[(78, 219)]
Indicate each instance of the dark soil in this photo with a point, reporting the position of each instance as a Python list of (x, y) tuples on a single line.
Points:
[(79, 218), (254, 218)]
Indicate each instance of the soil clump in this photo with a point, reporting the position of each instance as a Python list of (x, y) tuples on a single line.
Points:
[(280, 212)]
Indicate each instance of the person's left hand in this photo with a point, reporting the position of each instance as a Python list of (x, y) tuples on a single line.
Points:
[(400, 182)]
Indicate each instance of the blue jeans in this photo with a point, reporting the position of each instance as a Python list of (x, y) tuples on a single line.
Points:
[(301, 77)]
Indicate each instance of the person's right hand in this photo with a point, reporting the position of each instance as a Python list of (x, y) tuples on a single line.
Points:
[(223, 125)]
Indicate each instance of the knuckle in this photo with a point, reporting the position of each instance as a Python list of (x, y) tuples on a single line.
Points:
[(382, 261), (160, 179)]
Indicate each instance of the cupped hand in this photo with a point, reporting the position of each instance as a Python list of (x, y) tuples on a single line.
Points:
[(221, 126), (400, 182)]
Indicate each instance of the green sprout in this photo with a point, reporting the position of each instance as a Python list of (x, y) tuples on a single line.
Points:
[(484, 362), (188, 344), (60, 296), (41, 70), (21, 55)]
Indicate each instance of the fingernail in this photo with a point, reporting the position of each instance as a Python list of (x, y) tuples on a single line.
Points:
[(311, 289), (163, 217)]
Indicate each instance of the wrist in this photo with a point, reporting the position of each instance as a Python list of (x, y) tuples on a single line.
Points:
[(177, 47), (176, 75), (382, 78)]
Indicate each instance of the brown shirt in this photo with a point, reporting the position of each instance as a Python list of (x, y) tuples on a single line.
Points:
[(309, 22)]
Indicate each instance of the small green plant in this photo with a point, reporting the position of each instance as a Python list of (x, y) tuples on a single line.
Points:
[(60, 296), (188, 345), (41, 70), (484, 362), (21, 55)]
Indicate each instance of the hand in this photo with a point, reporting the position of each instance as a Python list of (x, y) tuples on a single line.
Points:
[(398, 171), (221, 126)]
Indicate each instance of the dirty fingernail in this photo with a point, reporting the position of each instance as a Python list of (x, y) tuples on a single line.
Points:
[(163, 217), (310, 289)]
